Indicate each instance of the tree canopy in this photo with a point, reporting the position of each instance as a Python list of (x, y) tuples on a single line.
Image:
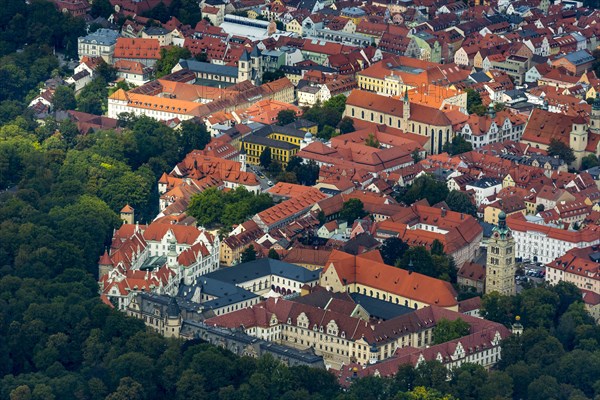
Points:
[(352, 210), (425, 187), (169, 58), (458, 145), (461, 202), (392, 250), (285, 117), (446, 330), (215, 208), (561, 150)]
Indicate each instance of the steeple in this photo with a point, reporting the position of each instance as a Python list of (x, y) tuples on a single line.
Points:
[(172, 254), (242, 155), (595, 116), (491, 111), (500, 266), (405, 109), (173, 320), (596, 104)]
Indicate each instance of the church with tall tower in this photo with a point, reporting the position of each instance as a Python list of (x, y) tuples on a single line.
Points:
[(250, 67), (500, 268)]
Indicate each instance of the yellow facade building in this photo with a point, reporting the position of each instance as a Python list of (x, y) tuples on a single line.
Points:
[(282, 141)]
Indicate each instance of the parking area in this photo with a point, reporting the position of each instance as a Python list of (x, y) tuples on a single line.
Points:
[(265, 181), (530, 273)]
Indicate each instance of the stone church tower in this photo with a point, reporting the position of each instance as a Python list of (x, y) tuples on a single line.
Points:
[(500, 269)]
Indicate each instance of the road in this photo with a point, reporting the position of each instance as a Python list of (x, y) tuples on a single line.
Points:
[(264, 182)]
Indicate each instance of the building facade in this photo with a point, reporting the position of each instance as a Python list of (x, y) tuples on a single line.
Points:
[(500, 266)]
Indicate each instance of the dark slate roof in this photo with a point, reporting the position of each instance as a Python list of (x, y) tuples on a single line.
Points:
[(360, 242), (199, 66), (265, 141), (155, 31), (480, 77), (301, 123), (173, 308), (245, 56), (255, 52), (225, 292), (193, 328), (379, 308), (263, 267), (285, 130)]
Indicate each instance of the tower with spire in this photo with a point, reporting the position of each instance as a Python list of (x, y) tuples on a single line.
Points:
[(405, 109), (244, 67), (595, 117), (250, 66), (242, 156), (500, 269), (173, 321)]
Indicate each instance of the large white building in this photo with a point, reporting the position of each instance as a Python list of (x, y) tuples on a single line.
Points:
[(155, 258), (98, 44), (545, 243), (494, 127)]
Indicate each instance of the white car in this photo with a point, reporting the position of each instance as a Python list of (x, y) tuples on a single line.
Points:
[(270, 183)]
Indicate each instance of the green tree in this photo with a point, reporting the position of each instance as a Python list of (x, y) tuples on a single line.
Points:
[(285, 117), (265, 158), (273, 254), (416, 156), (64, 98), (169, 58), (372, 141), (346, 125), (270, 76), (474, 103), (540, 208), (249, 254), (589, 161), (93, 96), (186, 11), (422, 393), (497, 308), (458, 145), (545, 387), (207, 207), (561, 150), (460, 202), (326, 133), (101, 8), (193, 136), (106, 71), (425, 187), (306, 173), (352, 210), (392, 250), (128, 389), (446, 330)]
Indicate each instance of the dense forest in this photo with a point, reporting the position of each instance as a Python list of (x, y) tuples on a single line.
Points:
[(59, 194)]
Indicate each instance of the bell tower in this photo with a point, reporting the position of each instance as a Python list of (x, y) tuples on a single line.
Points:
[(595, 117), (500, 268)]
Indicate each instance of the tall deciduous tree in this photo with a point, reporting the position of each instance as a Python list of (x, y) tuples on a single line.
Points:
[(265, 158), (193, 136), (425, 187), (249, 254), (461, 202), (352, 210), (169, 58), (64, 98), (561, 150), (392, 250), (285, 117), (446, 330)]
